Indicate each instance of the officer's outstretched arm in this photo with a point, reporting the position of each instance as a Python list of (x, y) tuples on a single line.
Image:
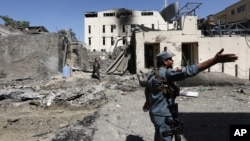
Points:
[(218, 58)]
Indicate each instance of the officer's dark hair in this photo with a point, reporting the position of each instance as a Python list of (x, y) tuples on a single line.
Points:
[(159, 63)]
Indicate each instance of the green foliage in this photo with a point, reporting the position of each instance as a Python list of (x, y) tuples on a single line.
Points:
[(62, 32), (13, 23), (68, 33), (23, 24)]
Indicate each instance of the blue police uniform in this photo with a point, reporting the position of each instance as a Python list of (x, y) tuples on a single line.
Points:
[(159, 110)]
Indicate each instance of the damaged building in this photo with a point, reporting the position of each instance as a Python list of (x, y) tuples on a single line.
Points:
[(190, 45), (131, 41), (38, 54), (184, 37), (103, 28)]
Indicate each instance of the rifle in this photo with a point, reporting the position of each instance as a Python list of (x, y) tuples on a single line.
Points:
[(171, 91), (176, 124)]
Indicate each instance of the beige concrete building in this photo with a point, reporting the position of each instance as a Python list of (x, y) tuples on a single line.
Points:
[(191, 46), (237, 12), (182, 37)]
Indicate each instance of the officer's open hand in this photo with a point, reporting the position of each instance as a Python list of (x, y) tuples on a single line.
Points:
[(223, 58)]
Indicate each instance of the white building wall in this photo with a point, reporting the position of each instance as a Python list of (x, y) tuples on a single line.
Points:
[(97, 23), (172, 39), (207, 48)]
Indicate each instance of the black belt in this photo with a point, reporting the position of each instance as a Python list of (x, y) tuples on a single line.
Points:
[(155, 89)]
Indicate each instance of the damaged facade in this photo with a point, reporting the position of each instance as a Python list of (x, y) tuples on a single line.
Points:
[(27, 56), (183, 37), (190, 46), (103, 28), (75, 54)]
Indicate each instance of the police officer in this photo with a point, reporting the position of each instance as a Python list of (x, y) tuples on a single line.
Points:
[(157, 100)]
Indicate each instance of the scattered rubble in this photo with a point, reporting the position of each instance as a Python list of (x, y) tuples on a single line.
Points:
[(82, 108), (58, 96)]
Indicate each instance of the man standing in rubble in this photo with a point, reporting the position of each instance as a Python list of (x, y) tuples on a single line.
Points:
[(160, 94), (165, 49), (96, 69)]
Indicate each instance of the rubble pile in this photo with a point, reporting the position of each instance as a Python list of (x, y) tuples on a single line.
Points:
[(79, 93)]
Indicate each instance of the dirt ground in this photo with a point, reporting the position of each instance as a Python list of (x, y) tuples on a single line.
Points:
[(119, 116), (206, 118)]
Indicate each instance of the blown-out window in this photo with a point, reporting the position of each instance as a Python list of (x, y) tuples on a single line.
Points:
[(147, 13), (103, 28), (112, 40), (103, 41), (89, 29), (89, 41)]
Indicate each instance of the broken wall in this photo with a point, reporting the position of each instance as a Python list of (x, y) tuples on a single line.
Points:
[(77, 56), (23, 56), (207, 47)]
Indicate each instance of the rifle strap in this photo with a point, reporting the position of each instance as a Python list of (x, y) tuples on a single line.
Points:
[(169, 88), (158, 77)]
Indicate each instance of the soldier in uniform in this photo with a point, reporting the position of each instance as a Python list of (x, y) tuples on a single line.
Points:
[(96, 69), (160, 95)]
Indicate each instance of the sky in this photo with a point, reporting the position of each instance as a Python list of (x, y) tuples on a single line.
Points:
[(55, 15)]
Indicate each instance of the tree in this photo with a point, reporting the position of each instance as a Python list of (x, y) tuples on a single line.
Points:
[(25, 24), (13, 23), (68, 33)]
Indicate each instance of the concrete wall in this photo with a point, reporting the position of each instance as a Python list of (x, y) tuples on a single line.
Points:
[(236, 44), (207, 47), (77, 56), (5, 31), (24, 56)]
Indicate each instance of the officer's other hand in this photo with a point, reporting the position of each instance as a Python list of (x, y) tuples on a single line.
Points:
[(145, 106), (223, 58), (178, 69)]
